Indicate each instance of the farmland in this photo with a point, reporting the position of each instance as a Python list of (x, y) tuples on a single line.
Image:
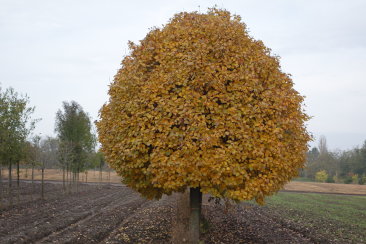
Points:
[(116, 214)]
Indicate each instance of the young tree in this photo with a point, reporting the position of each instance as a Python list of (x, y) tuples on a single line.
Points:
[(200, 104), (15, 126), (34, 155), (65, 157), (47, 149), (74, 131)]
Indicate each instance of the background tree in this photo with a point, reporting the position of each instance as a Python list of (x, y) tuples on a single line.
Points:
[(34, 155), (98, 162), (201, 104), (51, 146), (339, 165), (312, 163), (47, 149), (74, 130), (321, 176), (15, 127), (65, 157)]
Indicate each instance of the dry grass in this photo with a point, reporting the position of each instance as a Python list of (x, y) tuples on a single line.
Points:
[(112, 177), (56, 174), (326, 187)]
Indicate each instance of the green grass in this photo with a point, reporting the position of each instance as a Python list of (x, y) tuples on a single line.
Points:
[(327, 213)]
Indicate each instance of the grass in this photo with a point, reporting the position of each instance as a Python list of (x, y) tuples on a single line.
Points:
[(345, 209), (332, 215)]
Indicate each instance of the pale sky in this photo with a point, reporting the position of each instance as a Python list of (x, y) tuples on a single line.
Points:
[(67, 50)]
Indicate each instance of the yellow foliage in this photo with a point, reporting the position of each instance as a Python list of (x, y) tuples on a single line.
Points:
[(321, 176), (201, 103)]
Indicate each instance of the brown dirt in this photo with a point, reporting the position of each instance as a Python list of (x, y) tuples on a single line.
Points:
[(116, 214)]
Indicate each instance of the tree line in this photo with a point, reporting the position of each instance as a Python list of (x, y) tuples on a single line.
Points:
[(348, 166), (73, 150)]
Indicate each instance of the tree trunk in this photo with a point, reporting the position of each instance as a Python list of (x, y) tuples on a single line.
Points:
[(67, 178), (10, 183), (195, 199), (63, 180), (18, 177), (109, 176), (86, 176), (73, 181), (18, 180), (42, 184), (100, 176), (70, 182), (77, 180), (32, 175), (33, 191), (1, 186)]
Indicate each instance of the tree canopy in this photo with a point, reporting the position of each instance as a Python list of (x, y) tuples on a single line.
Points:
[(200, 103), (15, 125), (74, 131)]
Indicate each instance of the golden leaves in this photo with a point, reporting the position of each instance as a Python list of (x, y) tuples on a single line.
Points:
[(200, 103)]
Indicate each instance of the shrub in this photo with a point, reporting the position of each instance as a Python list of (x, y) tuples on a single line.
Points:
[(362, 180), (348, 180), (330, 179), (355, 179), (321, 176)]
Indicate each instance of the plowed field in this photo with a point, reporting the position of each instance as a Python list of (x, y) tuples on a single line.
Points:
[(116, 214)]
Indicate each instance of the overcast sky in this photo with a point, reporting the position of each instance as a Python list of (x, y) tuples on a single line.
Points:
[(65, 50)]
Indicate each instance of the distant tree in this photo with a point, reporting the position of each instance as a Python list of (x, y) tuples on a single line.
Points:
[(98, 161), (322, 159), (34, 155), (15, 126), (353, 162), (312, 163), (65, 157), (48, 153), (74, 130), (51, 145), (200, 104), (321, 176), (323, 148), (360, 166)]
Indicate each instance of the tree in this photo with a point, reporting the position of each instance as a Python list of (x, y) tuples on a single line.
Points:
[(65, 157), (312, 163), (321, 176), (74, 131), (47, 149), (322, 159), (33, 155), (15, 127), (200, 104), (98, 161)]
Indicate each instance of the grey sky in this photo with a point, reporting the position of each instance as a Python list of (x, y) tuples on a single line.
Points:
[(70, 50)]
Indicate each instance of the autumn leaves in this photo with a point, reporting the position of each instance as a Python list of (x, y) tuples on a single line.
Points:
[(201, 103)]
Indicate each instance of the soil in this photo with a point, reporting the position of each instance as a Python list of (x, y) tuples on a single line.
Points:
[(116, 214)]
